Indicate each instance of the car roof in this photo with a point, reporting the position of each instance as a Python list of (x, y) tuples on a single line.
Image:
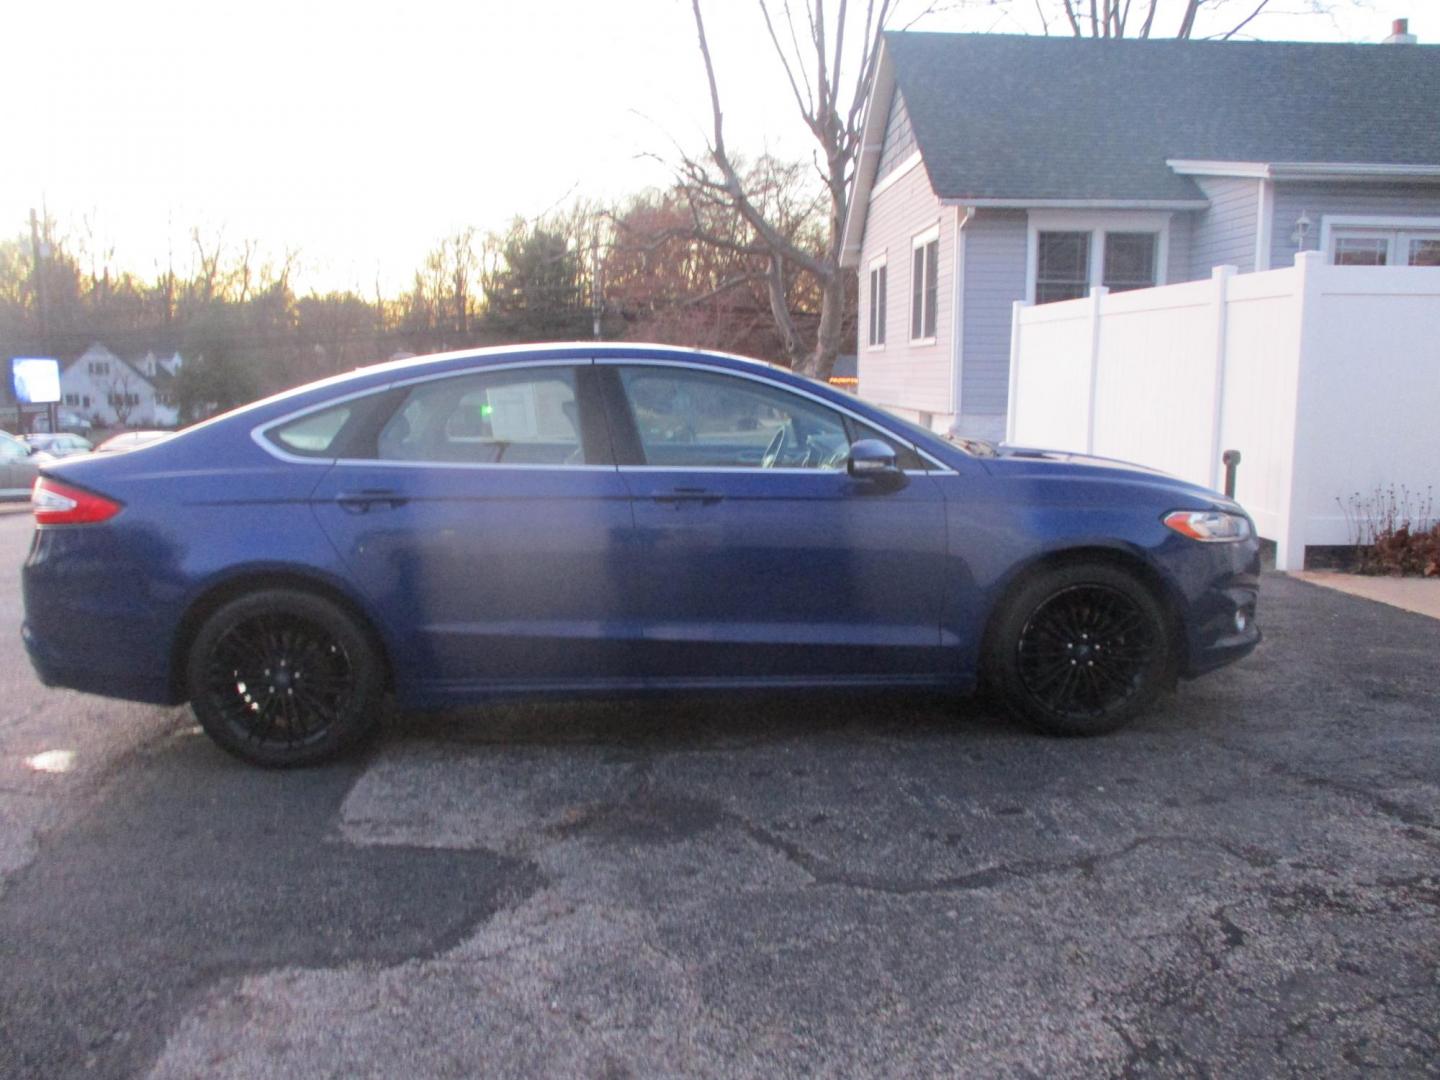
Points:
[(562, 350)]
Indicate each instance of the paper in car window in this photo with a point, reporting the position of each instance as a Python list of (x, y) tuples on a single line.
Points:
[(512, 412)]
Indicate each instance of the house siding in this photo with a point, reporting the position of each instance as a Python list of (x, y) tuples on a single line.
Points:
[(912, 378), (1178, 264), (995, 243), (1318, 200), (1224, 235), (899, 142)]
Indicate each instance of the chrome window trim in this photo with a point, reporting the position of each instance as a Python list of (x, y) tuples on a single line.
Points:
[(620, 361), (752, 470), (257, 433), (374, 463)]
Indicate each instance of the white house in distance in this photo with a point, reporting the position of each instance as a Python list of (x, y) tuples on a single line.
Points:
[(998, 169), (114, 392)]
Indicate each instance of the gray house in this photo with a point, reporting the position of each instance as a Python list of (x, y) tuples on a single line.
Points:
[(1002, 168)]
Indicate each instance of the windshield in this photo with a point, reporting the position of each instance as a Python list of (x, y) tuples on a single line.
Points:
[(973, 447)]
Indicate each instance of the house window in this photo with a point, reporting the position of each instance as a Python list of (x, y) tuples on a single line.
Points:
[(99, 367), (1361, 251), (924, 287), (1068, 263), (72, 399), (1385, 246), (877, 303), (1062, 270), (1425, 251), (1129, 261)]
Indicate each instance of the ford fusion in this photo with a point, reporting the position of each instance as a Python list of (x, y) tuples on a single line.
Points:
[(613, 520)]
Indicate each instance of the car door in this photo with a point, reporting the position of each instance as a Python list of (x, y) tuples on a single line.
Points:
[(757, 556), (17, 472), (482, 514)]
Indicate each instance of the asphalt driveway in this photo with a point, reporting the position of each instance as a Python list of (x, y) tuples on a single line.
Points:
[(1246, 883)]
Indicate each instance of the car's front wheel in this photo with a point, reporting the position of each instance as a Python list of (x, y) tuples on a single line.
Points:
[(282, 678), (1079, 650)]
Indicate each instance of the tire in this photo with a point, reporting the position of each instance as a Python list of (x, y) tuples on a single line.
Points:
[(247, 673), (1079, 650)]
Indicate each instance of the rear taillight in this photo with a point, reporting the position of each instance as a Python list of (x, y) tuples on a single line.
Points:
[(55, 503)]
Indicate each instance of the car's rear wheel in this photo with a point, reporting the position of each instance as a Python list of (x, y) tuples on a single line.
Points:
[(282, 678), (1079, 650)]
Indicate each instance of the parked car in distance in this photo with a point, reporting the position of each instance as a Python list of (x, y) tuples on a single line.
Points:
[(60, 445), (131, 440), (19, 465), (614, 519), (66, 420)]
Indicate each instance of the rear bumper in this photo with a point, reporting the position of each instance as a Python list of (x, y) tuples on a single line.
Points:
[(57, 668), (93, 619)]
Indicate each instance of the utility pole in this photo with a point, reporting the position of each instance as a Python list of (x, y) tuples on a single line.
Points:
[(38, 271), (597, 298), (42, 308)]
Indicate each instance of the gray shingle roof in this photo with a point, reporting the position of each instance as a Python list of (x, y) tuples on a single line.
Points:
[(1002, 116)]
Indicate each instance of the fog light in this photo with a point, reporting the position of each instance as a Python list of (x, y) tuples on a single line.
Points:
[(1241, 621)]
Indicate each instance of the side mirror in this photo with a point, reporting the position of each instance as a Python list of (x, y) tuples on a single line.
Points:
[(873, 461)]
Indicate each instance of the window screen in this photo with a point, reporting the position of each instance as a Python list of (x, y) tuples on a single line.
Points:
[(877, 306), (1129, 261), (1361, 251), (1062, 267), (924, 290)]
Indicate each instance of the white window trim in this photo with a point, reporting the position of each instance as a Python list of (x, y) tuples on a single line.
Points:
[(1380, 222), (1094, 223), (873, 265), (919, 240)]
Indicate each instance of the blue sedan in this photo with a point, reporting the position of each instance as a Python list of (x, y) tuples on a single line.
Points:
[(613, 519)]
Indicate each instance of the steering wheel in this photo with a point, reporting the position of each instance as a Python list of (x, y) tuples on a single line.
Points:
[(772, 452)]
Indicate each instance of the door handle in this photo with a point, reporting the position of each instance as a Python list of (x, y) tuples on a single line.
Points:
[(693, 496), (360, 502)]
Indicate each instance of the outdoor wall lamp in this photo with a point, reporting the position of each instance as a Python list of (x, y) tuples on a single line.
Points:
[(1302, 230)]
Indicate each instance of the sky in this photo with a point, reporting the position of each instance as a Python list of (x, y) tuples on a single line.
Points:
[(359, 134)]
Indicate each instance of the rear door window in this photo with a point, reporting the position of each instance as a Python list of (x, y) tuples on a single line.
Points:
[(528, 416)]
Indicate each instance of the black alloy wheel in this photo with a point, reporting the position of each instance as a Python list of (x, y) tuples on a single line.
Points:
[(284, 678), (1080, 651)]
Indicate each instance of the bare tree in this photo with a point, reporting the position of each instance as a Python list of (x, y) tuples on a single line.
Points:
[(1116, 19), (122, 396), (828, 85)]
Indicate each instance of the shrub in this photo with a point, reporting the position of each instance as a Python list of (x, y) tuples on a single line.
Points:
[(1394, 532)]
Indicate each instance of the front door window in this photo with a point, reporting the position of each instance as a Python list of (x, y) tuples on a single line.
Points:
[(696, 420)]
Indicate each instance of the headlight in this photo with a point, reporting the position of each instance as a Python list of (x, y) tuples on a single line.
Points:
[(1209, 526)]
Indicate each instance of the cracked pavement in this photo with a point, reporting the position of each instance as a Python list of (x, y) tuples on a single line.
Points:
[(1246, 882)]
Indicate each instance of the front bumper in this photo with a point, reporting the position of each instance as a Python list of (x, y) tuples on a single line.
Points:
[(1222, 627)]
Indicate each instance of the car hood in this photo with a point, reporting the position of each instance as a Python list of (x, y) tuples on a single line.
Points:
[(1071, 458), (1022, 462)]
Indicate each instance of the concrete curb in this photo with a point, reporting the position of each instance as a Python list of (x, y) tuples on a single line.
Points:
[(1420, 595)]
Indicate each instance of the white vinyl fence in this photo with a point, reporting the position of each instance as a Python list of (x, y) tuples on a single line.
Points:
[(1325, 378)]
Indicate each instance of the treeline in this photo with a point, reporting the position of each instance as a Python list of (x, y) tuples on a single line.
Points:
[(660, 266)]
